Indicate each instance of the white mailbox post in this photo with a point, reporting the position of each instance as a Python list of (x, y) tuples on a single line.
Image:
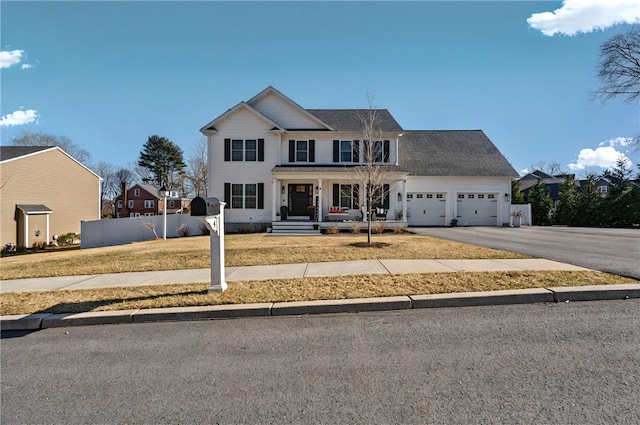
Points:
[(211, 211)]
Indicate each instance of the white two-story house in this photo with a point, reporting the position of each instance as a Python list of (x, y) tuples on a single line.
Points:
[(271, 159)]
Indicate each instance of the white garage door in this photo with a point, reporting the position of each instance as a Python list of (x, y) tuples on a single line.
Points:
[(477, 209), (426, 209)]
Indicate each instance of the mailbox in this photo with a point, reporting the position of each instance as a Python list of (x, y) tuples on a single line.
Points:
[(201, 207)]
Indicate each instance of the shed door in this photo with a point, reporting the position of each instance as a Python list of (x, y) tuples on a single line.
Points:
[(477, 209), (426, 209)]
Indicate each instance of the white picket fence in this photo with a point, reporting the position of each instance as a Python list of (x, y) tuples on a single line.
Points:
[(120, 231)]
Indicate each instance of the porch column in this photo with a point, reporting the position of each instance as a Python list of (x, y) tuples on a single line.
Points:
[(274, 198), (404, 200), (319, 201), (26, 230)]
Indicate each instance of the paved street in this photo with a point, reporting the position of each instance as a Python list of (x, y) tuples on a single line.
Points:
[(569, 363), (609, 250)]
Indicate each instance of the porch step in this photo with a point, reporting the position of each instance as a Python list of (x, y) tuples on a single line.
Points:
[(294, 228)]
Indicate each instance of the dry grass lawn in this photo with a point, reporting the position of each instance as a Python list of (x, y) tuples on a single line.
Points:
[(291, 290), (254, 249), (240, 250)]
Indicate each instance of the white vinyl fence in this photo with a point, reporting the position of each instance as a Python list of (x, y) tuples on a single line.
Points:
[(120, 231)]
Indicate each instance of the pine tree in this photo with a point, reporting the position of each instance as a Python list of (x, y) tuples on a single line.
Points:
[(541, 204), (567, 209), (163, 159)]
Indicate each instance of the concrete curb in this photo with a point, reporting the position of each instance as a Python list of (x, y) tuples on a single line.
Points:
[(341, 306), (464, 299), (467, 299), (596, 293)]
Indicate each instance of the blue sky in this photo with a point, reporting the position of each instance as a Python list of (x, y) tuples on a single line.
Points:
[(110, 74)]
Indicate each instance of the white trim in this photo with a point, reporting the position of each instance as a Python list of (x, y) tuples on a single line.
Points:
[(228, 113), (270, 90)]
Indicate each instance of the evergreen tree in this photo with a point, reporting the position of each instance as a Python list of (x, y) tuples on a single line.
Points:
[(589, 203), (567, 209), (517, 198), (163, 159), (621, 207), (541, 203)]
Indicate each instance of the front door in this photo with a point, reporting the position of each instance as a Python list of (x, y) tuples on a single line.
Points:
[(300, 198)]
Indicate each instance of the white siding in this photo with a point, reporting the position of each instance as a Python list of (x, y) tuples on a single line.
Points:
[(242, 125), (454, 185), (284, 114)]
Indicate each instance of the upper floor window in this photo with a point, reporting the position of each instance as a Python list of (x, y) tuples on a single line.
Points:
[(148, 203), (378, 151), (302, 151), (602, 189), (130, 203), (136, 192), (346, 150), (244, 150), (172, 204)]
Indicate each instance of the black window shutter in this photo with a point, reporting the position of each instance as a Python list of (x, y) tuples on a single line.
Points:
[(292, 151), (385, 202), (336, 195), (386, 152), (356, 196), (336, 151), (227, 149), (312, 151), (260, 149), (260, 196), (227, 194), (355, 147)]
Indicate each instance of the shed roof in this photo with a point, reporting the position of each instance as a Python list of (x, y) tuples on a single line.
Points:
[(34, 209)]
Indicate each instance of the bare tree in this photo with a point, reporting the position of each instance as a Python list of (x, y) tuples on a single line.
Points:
[(373, 174), (27, 138), (196, 174), (109, 185), (619, 67)]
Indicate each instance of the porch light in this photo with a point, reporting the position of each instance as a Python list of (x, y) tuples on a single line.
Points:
[(506, 197), (317, 190), (282, 190), (399, 196)]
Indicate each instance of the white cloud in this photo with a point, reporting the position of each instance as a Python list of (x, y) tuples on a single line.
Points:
[(618, 141), (524, 171), (19, 118), (602, 157), (8, 58), (26, 66), (581, 16)]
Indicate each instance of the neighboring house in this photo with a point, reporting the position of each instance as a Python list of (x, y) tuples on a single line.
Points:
[(269, 152), (552, 182), (145, 200), (44, 192)]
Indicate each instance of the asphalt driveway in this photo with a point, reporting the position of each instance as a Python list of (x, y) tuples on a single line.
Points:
[(609, 250)]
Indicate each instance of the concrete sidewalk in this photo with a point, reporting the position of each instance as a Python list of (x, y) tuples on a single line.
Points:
[(281, 271)]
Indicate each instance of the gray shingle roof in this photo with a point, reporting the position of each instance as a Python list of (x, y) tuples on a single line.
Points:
[(11, 152), (34, 208), (452, 153), (351, 119)]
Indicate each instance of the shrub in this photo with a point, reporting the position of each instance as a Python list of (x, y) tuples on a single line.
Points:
[(379, 227), (333, 230), (67, 239), (183, 230)]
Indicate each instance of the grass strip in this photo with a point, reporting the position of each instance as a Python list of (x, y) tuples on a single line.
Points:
[(304, 289)]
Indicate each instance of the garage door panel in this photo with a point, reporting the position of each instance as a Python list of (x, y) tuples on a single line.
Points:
[(426, 209), (477, 209)]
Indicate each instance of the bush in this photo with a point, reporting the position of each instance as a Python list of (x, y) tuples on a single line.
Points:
[(68, 239)]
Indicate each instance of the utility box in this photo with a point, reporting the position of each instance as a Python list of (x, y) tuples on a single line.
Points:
[(202, 207)]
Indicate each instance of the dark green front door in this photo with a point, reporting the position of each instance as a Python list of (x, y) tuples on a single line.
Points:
[(300, 198)]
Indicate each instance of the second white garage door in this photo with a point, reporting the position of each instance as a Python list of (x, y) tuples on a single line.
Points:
[(477, 209), (426, 209)]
